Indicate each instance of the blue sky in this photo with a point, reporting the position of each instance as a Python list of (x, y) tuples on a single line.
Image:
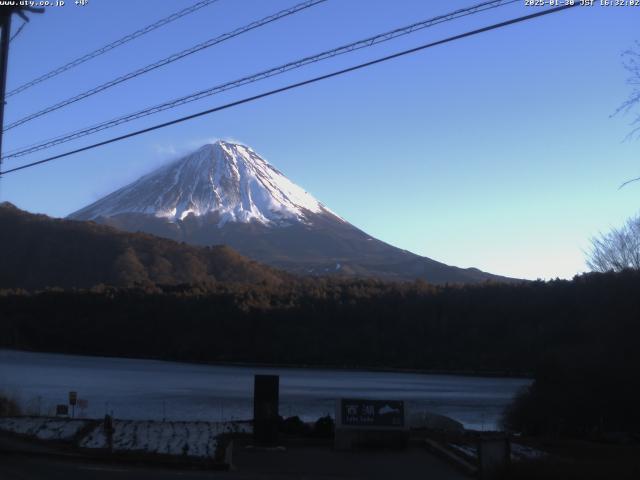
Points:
[(496, 151)]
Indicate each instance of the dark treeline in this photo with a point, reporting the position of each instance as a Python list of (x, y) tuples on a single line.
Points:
[(580, 336), (37, 251)]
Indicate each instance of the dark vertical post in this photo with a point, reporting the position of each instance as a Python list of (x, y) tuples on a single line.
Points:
[(266, 392), (4, 61), (494, 456), (73, 399), (108, 430)]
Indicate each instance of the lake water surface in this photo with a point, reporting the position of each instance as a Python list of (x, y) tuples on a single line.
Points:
[(151, 389)]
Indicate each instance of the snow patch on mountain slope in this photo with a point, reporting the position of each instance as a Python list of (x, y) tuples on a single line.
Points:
[(225, 178)]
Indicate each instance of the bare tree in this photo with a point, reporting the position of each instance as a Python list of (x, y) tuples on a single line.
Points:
[(620, 248), (631, 62), (617, 250)]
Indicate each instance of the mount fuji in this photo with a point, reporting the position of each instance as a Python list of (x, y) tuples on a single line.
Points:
[(225, 193)]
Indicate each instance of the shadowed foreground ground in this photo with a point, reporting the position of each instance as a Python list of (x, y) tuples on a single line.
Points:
[(21, 461)]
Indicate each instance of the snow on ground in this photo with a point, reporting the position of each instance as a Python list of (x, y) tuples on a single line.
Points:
[(468, 450), (43, 428), (518, 451), (523, 452), (195, 439)]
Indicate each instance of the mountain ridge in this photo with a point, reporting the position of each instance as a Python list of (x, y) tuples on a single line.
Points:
[(41, 252), (225, 193)]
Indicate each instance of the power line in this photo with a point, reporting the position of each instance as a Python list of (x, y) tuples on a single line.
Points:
[(367, 42), (170, 59), (15, 35), (6, 12), (127, 38), (296, 85)]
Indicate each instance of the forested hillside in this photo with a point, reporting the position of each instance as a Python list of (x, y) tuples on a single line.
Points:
[(365, 323), (37, 251)]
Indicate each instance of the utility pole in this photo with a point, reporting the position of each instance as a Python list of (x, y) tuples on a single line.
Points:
[(4, 61), (5, 24)]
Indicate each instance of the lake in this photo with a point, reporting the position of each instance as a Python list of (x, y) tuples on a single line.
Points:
[(152, 389)]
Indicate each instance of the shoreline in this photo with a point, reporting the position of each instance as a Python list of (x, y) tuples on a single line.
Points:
[(346, 368)]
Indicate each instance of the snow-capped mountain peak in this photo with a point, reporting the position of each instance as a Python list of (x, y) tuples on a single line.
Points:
[(226, 194), (226, 178)]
